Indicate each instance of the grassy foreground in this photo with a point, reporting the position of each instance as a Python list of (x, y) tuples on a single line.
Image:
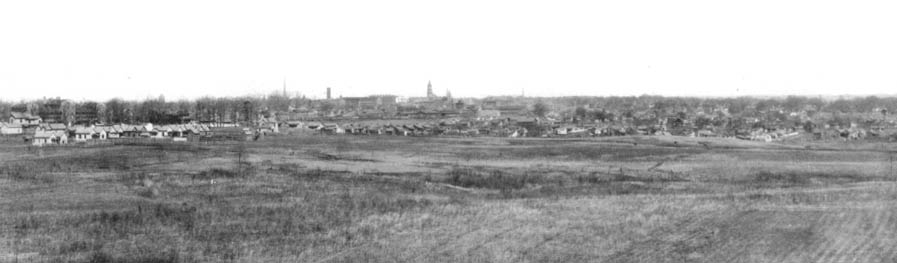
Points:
[(400, 199)]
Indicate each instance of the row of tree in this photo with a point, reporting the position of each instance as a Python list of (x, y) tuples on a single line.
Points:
[(244, 109), (742, 106), (155, 110)]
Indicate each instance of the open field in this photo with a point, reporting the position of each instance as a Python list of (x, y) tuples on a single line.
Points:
[(303, 198)]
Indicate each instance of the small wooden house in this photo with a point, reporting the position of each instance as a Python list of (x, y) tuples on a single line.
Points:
[(10, 128), (99, 133), (23, 118), (83, 134)]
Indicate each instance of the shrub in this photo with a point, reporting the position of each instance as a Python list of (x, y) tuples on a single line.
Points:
[(29, 173), (494, 179), (216, 173)]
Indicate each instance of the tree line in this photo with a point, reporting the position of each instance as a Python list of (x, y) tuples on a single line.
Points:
[(248, 108), (156, 110)]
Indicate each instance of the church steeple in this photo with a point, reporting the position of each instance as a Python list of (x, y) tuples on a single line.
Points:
[(430, 90)]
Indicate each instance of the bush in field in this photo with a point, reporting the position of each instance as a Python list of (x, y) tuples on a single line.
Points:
[(21, 172), (164, 214), (799, 178), (217, 173), (99, 256), (786, 178), (495, 179)]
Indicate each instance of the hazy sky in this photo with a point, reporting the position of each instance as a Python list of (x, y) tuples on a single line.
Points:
[(184, 49)]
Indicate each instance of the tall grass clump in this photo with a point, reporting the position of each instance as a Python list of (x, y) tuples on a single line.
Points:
[(26, 173)]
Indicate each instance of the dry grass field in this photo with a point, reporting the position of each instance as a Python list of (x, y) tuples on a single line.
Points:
[(302, 198)]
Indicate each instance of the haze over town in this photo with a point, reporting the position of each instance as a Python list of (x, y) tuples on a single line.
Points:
[(97, 50)]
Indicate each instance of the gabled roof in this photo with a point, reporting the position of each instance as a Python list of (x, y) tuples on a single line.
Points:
[(44, 134), (84, 130), (23, 115), (12, 125)]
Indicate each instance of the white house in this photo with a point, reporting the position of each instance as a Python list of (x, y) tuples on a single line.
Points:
[(83, 134), (99, 133), (162, 132), (23, 118), (114, 131), (10, 128), (42, 137), (62, 137)]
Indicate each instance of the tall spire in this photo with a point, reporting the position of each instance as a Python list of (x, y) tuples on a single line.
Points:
[(430, 90)]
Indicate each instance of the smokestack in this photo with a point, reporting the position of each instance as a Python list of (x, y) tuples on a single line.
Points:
[(328, 93)]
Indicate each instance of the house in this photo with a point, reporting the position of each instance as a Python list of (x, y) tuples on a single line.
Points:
[(270, 123), (192, 130), (61, 137), (115, 131), (400, 131), (147, 131), (83, 134), (332, 128), (524, 122), (130, 131), (706, 133), (177, 131), (569, 130), (294, 124), (42, 137), (49, 137), (99, 133), (160, 132), (315, 125), (10, 128), (51, 127), (374, 130), (488, 114), (23, 118)]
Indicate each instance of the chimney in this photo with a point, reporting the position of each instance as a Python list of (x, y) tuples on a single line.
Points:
[(328, 93)]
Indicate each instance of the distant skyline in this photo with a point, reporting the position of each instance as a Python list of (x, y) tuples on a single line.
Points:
[(98, 50)]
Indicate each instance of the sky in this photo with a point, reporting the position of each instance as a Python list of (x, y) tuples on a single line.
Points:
[(97, 50)]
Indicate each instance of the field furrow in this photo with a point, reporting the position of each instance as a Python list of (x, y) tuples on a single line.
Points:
[(864, 250)]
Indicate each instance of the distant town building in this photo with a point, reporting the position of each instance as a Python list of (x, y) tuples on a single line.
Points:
[(52, 111), (373, 102), (87, 113), (432, 101)]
